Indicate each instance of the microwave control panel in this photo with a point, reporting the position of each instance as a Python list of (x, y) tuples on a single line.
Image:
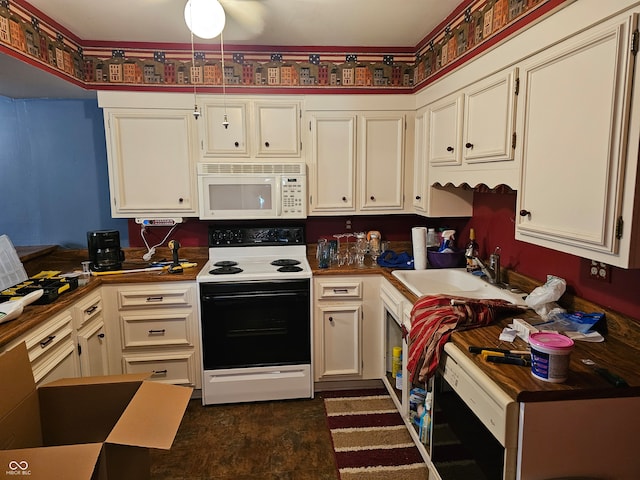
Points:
[(293, 197)]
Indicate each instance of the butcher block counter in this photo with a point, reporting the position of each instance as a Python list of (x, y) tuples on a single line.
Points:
[(53, 258), (620, 352)]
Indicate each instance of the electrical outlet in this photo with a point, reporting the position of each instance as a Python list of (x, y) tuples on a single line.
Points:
[(348, 225), (600, 271)]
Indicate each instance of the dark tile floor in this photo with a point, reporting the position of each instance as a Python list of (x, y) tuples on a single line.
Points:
[(282, 440)]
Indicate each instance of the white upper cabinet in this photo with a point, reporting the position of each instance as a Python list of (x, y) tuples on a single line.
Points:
[(151, 154), (381, 160), (489, 119), (445, 131), (580, 152), (356, 161), (249, 128), (471, 133), (224, 136), (332, 162), (277, 129)]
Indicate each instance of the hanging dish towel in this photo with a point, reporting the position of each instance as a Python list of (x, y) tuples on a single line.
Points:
[(434, 317)]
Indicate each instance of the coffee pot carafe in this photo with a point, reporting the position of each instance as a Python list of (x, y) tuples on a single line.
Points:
[(104, 250)]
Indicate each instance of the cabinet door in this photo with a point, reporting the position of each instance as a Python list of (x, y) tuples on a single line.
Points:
[(445, 131), (92, 347), (574, 124), (150, 154), (333, 159), (381, 161), (420, 184), (277, 129), (222, 138), (489, 119), (340, 347)]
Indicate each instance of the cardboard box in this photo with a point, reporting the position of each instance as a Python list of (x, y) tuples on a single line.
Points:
[(83, 428)]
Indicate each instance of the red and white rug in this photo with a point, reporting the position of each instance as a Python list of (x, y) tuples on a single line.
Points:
[(370, 440)]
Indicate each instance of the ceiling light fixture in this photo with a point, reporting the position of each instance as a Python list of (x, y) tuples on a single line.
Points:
[(205, 18)]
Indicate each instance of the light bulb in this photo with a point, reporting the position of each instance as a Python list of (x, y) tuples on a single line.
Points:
[(205, 18)]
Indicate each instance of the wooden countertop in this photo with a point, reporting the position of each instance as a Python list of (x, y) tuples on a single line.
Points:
[(47, 258), (620, 352)]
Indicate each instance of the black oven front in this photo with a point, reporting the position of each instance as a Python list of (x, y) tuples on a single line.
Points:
[(255, 323)]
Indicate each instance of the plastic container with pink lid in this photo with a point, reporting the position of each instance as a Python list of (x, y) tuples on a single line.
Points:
[(550, 354)]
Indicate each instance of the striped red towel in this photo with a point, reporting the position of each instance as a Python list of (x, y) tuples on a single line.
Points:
[(434, 317)]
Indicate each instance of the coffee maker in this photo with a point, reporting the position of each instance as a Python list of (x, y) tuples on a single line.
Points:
[(104, 250)]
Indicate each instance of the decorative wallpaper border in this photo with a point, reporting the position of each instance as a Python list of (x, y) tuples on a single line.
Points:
[(41, 42)]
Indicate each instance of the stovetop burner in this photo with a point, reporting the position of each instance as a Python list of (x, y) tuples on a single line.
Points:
[(225, 263), (240, 254), (290, 268), (226, 270), (285, 262)]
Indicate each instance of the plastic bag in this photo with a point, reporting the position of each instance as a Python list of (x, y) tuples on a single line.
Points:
[(543, 298)]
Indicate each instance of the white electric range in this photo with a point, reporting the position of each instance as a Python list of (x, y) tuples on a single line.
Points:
[(255, 315)]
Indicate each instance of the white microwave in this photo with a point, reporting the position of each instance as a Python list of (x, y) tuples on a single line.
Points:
[(233, 191)]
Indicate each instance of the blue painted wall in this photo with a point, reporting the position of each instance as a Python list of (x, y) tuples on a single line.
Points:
[(54, 183)]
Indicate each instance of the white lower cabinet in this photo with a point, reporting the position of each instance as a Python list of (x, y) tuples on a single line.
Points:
[(51, 349), (90, 335), (347, 330), (156, 329)]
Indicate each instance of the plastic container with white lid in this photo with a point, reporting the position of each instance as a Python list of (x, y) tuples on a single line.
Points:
[(550, 354)]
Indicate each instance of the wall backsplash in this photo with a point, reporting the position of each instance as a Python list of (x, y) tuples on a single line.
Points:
[(494, 222)]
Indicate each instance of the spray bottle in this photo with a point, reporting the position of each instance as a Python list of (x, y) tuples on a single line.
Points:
[(448, 238)]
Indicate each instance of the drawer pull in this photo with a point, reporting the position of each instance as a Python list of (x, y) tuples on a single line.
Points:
[(157, 332), (91, 309), (159, 372), (155, 299), (46, 342), (340, 290)]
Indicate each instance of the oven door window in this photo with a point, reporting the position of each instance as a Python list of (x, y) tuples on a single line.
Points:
[(255, 324)]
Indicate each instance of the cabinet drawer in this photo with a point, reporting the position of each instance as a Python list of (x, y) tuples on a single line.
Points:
[(43, 339), (335, 290), (156, 330), (392, 300), (175, 368), (87, 309), (60, 362), (175, 297)]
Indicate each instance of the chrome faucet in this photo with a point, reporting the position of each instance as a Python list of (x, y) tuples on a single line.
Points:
[(492, 271)]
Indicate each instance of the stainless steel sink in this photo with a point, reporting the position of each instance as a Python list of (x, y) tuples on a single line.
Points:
[(454, 281)]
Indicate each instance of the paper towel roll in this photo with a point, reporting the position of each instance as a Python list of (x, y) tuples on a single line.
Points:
[(419, 241)]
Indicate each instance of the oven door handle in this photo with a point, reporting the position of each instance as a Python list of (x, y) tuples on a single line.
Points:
[(240, 296)]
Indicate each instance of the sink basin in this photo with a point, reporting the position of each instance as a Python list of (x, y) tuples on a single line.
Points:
[(454, 281)]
